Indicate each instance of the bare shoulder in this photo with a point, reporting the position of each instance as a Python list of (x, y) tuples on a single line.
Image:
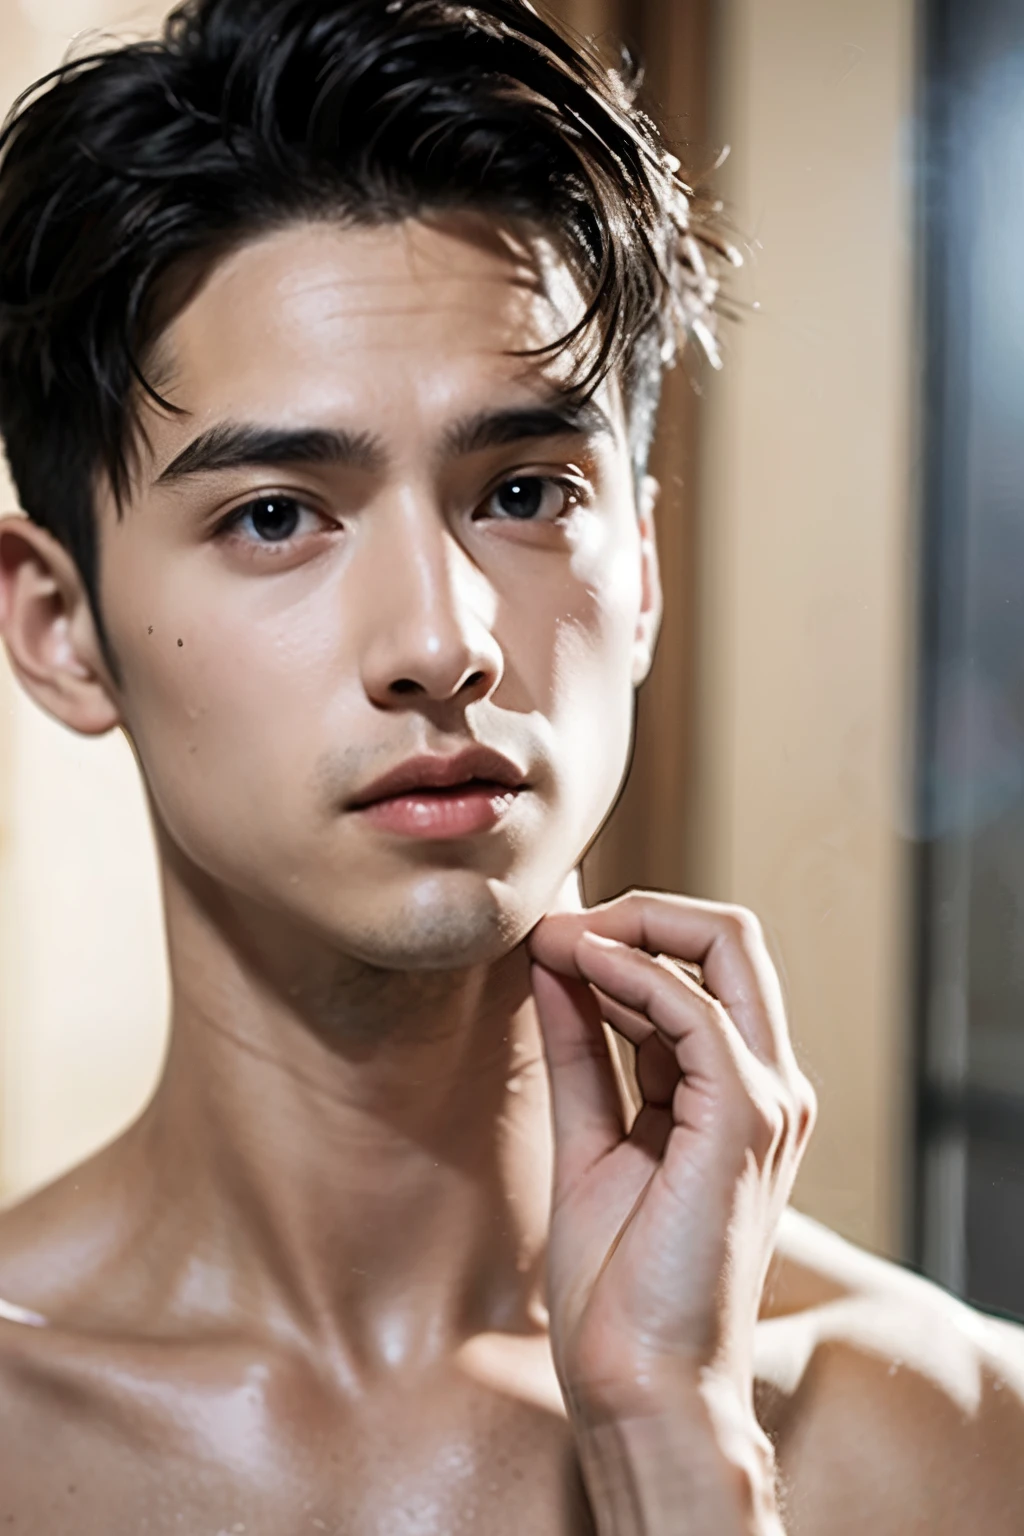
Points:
[(893, 1406), (50, 1250), (71, 1250)]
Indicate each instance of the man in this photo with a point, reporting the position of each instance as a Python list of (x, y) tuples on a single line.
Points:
[(330, 337)]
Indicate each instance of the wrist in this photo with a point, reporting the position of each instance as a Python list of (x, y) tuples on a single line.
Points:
[(694, 1463)]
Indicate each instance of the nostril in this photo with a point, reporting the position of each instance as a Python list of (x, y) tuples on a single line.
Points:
[(439, 688)]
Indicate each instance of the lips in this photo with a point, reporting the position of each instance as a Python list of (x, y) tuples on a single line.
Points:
[(478, 765), (433, 796)]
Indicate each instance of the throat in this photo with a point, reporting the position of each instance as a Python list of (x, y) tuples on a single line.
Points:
[(388, 1205)]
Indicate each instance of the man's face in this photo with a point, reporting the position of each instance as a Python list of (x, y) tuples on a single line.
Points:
[(373, 535)]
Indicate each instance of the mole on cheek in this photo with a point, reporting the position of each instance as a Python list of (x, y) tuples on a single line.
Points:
[(181, 642)]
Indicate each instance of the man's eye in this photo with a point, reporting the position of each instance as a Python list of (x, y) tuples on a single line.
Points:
[(530, 498), (268, 519)]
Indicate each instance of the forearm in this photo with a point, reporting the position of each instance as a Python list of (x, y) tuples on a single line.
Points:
[(693, 1467)]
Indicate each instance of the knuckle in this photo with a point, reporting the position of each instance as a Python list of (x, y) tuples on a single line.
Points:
[(807, 1108), (792, 1119), (766, 1128), (743, 924), (627, 901)]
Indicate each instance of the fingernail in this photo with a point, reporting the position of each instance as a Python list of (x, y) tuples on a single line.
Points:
[(599, 940)]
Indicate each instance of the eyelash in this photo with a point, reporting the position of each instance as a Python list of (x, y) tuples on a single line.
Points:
[(576, 493), (229, 524)]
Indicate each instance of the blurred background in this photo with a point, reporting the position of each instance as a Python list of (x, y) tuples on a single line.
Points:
[(834, 733)]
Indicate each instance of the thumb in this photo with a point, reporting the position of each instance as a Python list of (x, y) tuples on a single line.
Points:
[(584, 1096)]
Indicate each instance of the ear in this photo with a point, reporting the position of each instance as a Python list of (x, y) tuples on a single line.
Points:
[(649, 618), (48, 629)]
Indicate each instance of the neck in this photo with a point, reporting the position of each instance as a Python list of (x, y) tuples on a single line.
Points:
[(363, 1157)]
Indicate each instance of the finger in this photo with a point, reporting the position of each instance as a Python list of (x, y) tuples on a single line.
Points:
[(726, 942), (693, 1026), (633, 1026), (655, 1069), (720, 1082), (585, 1106)]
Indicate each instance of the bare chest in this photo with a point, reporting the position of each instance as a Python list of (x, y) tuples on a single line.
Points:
[(280, 1455)]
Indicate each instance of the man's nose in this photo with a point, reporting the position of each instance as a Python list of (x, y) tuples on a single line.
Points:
[(428, 612)]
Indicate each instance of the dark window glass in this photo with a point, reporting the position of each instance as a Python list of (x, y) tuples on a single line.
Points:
[(971, 743)]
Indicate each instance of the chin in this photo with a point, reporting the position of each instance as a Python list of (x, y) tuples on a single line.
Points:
[(448, 922)]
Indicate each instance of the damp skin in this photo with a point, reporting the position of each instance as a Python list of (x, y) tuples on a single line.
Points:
[(307, 1288), (339, 1197)]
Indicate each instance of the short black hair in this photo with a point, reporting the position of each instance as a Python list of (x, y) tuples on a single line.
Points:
[(127, 165)]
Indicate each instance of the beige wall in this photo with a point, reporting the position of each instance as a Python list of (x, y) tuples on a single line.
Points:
[(805, 594), (82, 983)]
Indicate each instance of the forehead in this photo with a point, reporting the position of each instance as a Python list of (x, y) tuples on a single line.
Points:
[(321, 319)]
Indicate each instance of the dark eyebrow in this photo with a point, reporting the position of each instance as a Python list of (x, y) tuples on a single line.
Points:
[(236, 445), (498, 429)]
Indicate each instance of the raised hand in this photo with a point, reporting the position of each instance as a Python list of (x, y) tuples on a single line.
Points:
[(661, 1234)]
